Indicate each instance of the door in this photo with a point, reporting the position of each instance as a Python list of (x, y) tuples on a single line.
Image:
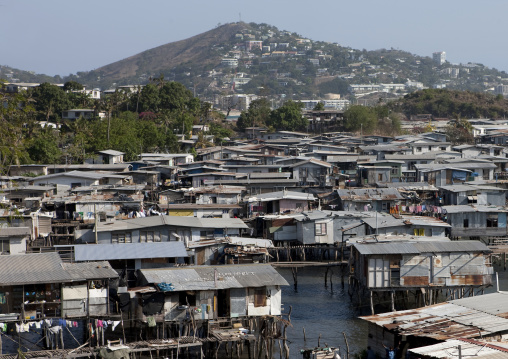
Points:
[(223, 303)]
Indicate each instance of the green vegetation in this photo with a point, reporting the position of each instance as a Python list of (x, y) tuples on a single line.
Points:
[(451, 104), (287, 117), (161, 111)]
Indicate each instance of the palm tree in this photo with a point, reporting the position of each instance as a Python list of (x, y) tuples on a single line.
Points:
[(202, 141)]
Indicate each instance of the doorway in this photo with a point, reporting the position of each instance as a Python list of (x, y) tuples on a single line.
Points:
[(223, 305)]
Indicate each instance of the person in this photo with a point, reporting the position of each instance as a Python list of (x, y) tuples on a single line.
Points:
[(391, 352)]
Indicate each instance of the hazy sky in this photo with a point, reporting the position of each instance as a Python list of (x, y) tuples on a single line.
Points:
[(63, 37)]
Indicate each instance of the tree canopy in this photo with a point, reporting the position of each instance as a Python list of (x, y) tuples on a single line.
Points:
[(288, 117), (362, 118)]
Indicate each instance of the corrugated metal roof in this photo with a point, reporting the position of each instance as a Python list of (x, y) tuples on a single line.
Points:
[(192, 222), (383, 221), (452, 246), (46, 268), (366, 194), (91, 252), (416, 247), (14, 231), (386, 248), (90, 270), (215, 277), (448, 320), (462, 208), (497, 303), (469, 348)]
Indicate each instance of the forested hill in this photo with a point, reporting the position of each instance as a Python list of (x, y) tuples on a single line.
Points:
[(450, 103)]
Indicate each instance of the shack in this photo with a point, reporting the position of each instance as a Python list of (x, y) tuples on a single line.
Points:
[(470, 318), (404, 265), (34, 286), (474, 221), (210, 292)]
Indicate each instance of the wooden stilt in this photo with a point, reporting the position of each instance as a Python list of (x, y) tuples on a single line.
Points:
[(371, 304)]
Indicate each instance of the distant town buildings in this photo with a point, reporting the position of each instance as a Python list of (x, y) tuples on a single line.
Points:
[(439, 57)]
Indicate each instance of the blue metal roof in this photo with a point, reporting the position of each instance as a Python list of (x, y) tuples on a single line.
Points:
[(94, 252)]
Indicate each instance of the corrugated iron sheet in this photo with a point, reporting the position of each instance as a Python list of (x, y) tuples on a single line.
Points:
[(455, 319), (215, 277), (48, 268), (90, 252), (386, 248)]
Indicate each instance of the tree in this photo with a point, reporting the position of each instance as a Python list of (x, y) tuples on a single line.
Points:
[(257, 114), (358, 118), (50, 101), (288, 117), (459, 131), (148, 99), (319, 106), (220, 132), (72, 86), (44, 147), (176, 97), (202, 141)]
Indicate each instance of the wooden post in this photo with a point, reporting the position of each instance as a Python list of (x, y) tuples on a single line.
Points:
[(304, 336), (319, 340), (294, 270), (393, 300), (347, 345), (371, 303)]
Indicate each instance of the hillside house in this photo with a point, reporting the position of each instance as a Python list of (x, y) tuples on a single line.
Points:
[(468, 193), (369, 199), (476, 221), (106, 157), (279, 202)]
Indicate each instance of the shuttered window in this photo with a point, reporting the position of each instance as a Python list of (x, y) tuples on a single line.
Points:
[(260, 297)]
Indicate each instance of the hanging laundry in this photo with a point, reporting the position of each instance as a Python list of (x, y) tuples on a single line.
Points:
[(151, 321), (20, 328), (115, 324)]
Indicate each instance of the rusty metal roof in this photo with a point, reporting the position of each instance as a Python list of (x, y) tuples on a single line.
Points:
[(450, 320)]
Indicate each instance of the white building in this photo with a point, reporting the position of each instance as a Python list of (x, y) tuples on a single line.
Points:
[(229, 62), (439, 57)]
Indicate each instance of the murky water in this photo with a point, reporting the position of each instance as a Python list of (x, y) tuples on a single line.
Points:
[(320, 310)]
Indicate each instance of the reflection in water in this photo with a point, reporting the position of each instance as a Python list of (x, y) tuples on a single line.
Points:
[(321, 311)]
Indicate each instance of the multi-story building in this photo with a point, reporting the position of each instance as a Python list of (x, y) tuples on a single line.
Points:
[(439, 57)]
